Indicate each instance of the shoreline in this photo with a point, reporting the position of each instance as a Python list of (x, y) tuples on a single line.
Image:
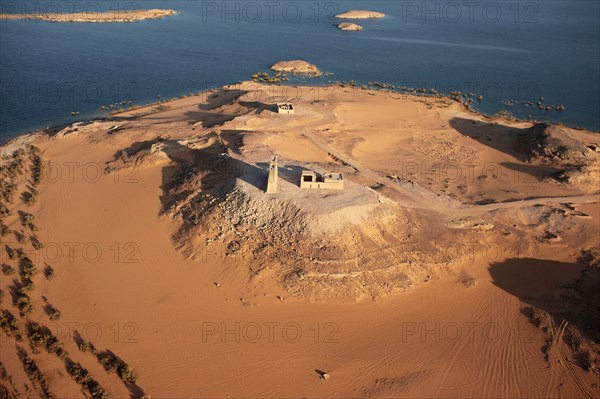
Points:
[(376, 86)]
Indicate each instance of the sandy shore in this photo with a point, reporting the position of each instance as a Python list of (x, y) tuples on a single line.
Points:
[(97, 17), (458, 262)]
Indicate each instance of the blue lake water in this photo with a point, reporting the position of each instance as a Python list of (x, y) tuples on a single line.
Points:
[(503, 50)]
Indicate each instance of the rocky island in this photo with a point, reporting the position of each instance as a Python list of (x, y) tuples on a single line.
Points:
[(109, 16), (296, 67), (360, 14), (349, 26)]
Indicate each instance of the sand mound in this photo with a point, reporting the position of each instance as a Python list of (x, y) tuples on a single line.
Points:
[(319, 245)]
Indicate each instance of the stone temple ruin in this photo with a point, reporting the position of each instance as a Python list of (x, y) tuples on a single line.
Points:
[(308, 179)]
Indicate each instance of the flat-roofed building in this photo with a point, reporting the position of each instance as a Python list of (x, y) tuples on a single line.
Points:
[(326, 181), (285, 108)]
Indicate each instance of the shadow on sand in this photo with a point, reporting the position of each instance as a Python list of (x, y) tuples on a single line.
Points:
[(208, 169), (566, 291), (494, 136)]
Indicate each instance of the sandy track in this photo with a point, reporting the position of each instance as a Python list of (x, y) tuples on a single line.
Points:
[(420, 198)]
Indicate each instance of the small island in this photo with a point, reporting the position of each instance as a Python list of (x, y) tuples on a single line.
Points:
[(349, 26), (296, 67), (97, 17), (360, 14)]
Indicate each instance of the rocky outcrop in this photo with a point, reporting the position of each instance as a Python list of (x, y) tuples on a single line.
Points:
[(95, 17), (349, 26), (560, 151), (360, 14), (296, 67)]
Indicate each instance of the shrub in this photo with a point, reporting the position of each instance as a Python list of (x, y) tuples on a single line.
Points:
[(108, 361), (4, 230), (83, 378), (86, 346), (16, 253), (37, 244), (78, 373), (7, 190), (30, 199), (42, 336), (7, 270), (127, 374), (112, 364), (28, 269), (24, 304), (27, 222), (27, 285), (21, 238), (12, 253), (4, 211), (49, 273), (33, 372), (10, 325), (53, 313)]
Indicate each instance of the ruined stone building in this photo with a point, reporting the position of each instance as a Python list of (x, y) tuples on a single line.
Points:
[(328, 181), (272, 181), (285, 108)]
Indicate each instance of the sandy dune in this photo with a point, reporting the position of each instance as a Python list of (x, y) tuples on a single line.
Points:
[(458, 263)]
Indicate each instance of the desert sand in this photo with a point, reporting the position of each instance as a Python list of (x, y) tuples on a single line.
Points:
[(349, 26), (461, 260), (360, 14), (93, 16)]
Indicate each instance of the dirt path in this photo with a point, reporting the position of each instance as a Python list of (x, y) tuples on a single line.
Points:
[(415, 196)]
